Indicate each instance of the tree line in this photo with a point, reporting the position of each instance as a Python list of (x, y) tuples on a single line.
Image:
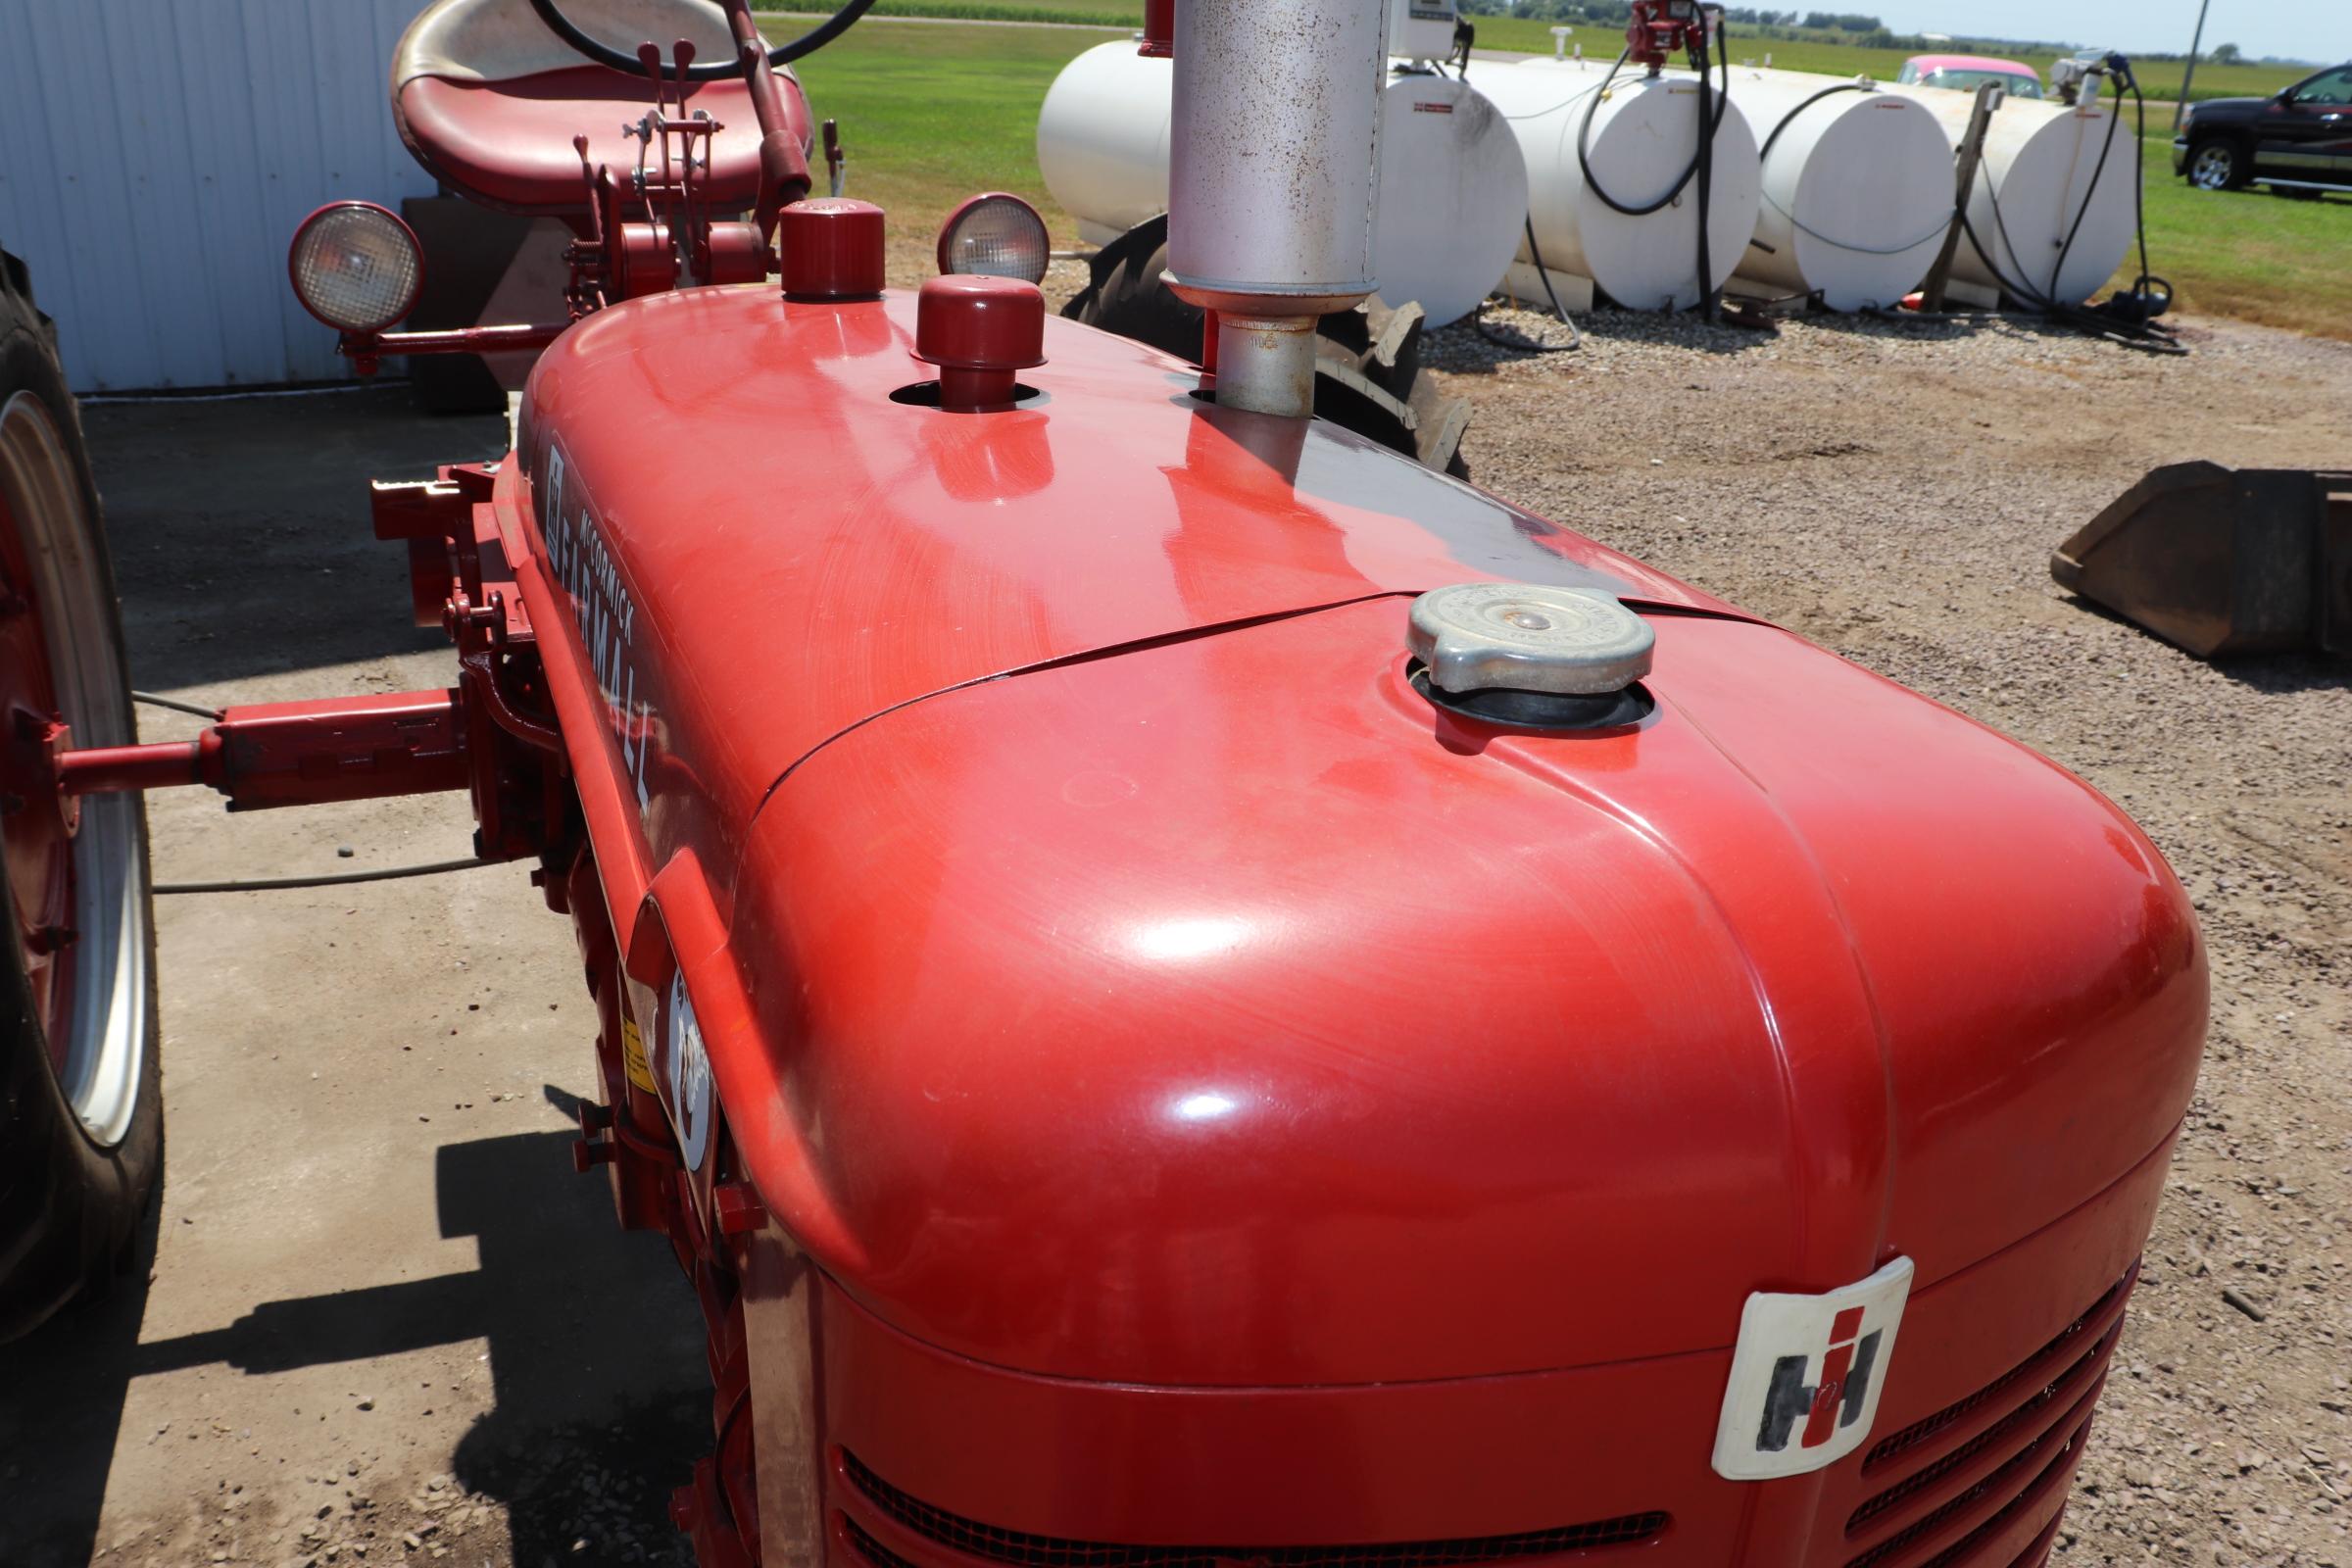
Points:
[(1606, 11)]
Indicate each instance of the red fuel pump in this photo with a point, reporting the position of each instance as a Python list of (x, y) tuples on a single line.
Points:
[(1659, 30)]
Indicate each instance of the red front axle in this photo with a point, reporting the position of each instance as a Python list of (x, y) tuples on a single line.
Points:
[(295, 753)]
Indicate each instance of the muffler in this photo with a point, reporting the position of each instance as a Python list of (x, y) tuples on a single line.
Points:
[(1273, 182)]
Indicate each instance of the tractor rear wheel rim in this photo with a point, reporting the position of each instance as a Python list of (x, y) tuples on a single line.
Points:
[(76, 879), (2213, 167)]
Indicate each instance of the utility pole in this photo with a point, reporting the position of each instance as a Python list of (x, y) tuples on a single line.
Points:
[(2190, 75)]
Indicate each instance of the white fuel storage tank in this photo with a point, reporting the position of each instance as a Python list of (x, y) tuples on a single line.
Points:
[(1857, 188), (1453, 184), (1643, 141), (2040, 182)]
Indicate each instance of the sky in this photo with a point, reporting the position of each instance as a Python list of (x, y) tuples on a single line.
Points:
[(2307, 30)]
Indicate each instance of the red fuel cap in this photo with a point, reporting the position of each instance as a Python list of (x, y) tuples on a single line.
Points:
[(979, 330), (831, 249)]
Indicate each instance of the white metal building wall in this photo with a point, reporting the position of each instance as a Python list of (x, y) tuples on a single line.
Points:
[(155, 156)]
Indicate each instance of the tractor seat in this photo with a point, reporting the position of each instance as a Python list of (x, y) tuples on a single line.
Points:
[(489, 100)]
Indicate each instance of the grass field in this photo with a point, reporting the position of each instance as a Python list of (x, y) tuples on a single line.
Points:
[(2160, 80), (930, 114), (1127, 14), (2249, 254), (933, 114)]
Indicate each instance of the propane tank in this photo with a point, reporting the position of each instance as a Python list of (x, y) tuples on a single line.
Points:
[(1643, 135), (2036, 186), (1453, 184), (1857, 187), (1102, 138), (1271, 182)]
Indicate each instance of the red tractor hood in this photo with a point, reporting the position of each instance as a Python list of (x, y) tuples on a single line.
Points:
[(774, 550), (1195, 1005)]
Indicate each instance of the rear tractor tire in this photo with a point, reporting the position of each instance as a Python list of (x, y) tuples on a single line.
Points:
[(1368, 376), (81, 1075)]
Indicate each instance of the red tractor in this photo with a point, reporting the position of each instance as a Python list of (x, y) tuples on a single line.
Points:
[(1188, 989)]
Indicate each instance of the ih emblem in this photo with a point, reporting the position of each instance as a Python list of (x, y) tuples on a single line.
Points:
[(1806, 1375)]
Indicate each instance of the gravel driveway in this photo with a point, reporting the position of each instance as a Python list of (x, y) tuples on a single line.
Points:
[(1894, 492), (387, 1324)]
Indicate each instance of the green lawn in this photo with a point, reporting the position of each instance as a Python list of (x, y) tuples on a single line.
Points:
[(1825, 52), (2249, 254), (932, 112), (2160, 80), (1128, 14)]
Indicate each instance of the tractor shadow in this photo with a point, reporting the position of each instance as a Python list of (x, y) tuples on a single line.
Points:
[(2259, 674), (62, 1394), (600, 1398), (240, 527), (1481, 344)]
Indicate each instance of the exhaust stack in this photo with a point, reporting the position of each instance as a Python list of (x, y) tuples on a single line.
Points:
[(1272, 179)]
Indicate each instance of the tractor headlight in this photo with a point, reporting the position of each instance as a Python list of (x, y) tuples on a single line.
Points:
[(356, 267), (688, 1065), (996, 237)]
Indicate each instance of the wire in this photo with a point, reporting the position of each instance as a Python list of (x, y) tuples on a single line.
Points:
[(1478, 319), (177, 705), (269, 884)]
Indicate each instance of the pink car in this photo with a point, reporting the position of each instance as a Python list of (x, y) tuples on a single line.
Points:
[(1968, 73)]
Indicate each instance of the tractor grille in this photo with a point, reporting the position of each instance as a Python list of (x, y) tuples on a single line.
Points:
[(2036, 1364), (2027, 1477), (1024, 1551), (1956, 1481)]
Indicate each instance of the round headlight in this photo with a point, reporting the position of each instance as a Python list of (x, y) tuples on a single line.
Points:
[(689, 1071), (994, 236), (356, 267)]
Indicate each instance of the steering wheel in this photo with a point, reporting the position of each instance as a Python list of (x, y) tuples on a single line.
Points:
[(604, 54)]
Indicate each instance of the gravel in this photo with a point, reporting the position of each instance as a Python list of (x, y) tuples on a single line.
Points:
[(1894, 491), (1890, 490)]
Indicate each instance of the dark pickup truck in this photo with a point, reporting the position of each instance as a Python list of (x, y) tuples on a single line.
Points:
[(2300, 139)]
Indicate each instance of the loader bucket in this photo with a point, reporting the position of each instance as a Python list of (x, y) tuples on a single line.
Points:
[(2224, 562)]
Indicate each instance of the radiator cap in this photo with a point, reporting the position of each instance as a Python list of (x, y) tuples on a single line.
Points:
[(1489, 636)]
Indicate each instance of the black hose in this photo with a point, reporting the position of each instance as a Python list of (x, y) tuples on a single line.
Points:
[(1584, 151), (808, 43), (2132, 327), (1703, 161), (1478, 319), (1708, 127), (1789, 118), (2140, 215), (2142, 336), (2115, 123)]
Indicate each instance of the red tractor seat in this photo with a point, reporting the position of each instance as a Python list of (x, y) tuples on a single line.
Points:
[(489, 100)]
